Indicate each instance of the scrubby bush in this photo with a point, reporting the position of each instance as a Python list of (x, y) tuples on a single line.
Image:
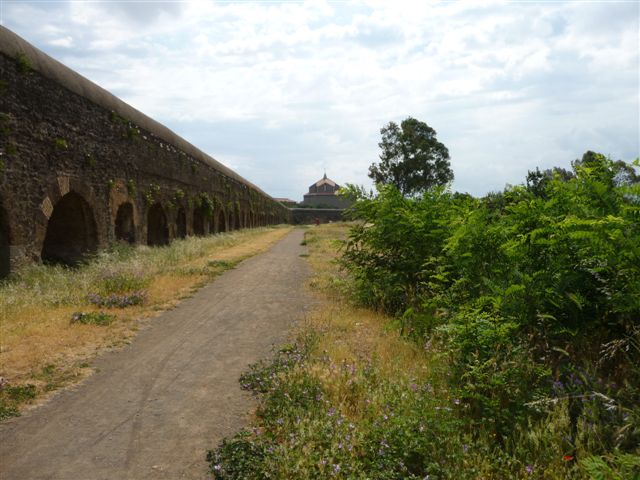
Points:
[(526, 290)]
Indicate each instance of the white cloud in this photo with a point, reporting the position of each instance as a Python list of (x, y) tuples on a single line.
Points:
[(293, 87), (62, 42)]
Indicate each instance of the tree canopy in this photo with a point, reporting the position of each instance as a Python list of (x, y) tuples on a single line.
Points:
[(412, 158)]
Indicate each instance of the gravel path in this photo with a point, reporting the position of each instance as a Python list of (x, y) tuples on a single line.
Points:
[(153, 409)]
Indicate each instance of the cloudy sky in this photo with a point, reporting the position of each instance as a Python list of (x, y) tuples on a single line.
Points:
[(281, 91)]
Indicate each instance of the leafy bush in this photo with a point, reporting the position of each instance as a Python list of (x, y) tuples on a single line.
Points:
[(525, 290), (617, 466), (494, 374)]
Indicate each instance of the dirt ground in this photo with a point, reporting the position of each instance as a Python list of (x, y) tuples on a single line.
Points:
[(154, 408)]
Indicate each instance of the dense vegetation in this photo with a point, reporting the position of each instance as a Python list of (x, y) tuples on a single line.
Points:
[(534, 294), (523, 311)]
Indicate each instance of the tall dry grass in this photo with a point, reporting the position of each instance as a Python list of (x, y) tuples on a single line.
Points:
[(37, 302)]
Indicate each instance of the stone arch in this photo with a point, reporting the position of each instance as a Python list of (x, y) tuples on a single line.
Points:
[(71, 231), (231, 224), (199, 221), (237, 216), (240, 218), (57, 188), (181, 223), (221, 221), (125, 228), (157, 230), (5, 241)]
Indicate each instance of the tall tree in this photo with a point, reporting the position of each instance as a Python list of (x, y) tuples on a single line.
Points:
[(412, 158)]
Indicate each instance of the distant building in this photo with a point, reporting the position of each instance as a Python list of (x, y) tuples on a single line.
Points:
[(323, 194)]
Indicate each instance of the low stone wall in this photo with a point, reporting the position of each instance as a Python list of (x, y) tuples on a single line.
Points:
[(302, 216), (80, 169)]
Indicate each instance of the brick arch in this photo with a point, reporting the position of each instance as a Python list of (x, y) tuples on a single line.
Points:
[(157, 225), (125, 226), (181, 222), (199, 223), (231, 224), (119, 197), (220, 221), (89, 208), (5, 242), (237, 216), (71, 231)]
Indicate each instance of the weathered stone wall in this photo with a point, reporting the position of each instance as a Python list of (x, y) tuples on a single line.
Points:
[(118, 171), (326, 200), (301, 216)]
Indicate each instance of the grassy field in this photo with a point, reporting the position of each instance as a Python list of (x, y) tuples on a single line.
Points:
[(54, 319)]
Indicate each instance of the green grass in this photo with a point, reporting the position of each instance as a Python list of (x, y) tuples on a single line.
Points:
[(12, 396), (92, 318)]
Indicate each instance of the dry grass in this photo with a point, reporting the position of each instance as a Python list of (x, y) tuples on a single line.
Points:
[(352, 335), (38, 343)]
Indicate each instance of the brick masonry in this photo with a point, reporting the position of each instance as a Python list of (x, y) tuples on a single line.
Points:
[(60, 134)]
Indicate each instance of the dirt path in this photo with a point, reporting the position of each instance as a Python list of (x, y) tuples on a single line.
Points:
[(152, 409)]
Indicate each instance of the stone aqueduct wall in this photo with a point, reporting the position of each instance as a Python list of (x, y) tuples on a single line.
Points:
[(80, 169), (301, 216)]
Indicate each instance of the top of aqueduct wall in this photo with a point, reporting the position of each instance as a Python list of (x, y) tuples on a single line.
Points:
[(12, 45)]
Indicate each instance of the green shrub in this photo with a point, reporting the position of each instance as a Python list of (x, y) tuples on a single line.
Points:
[(92, 318), (12, 396), (24, 63), (526, 289), (616, 466)]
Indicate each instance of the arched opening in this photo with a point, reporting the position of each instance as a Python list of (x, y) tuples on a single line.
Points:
[(157, 231), (5, 264), (181, 224), (238, 217), (198, 221), (125, 228), (71, 231), (230, 222), (222, 222)]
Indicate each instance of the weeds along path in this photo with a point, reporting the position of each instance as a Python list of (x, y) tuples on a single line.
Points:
[(152, 409)]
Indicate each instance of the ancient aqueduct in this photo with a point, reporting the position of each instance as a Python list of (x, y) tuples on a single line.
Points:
[(80, 169)]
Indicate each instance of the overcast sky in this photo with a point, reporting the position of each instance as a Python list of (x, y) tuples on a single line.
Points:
[(281, 91)]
